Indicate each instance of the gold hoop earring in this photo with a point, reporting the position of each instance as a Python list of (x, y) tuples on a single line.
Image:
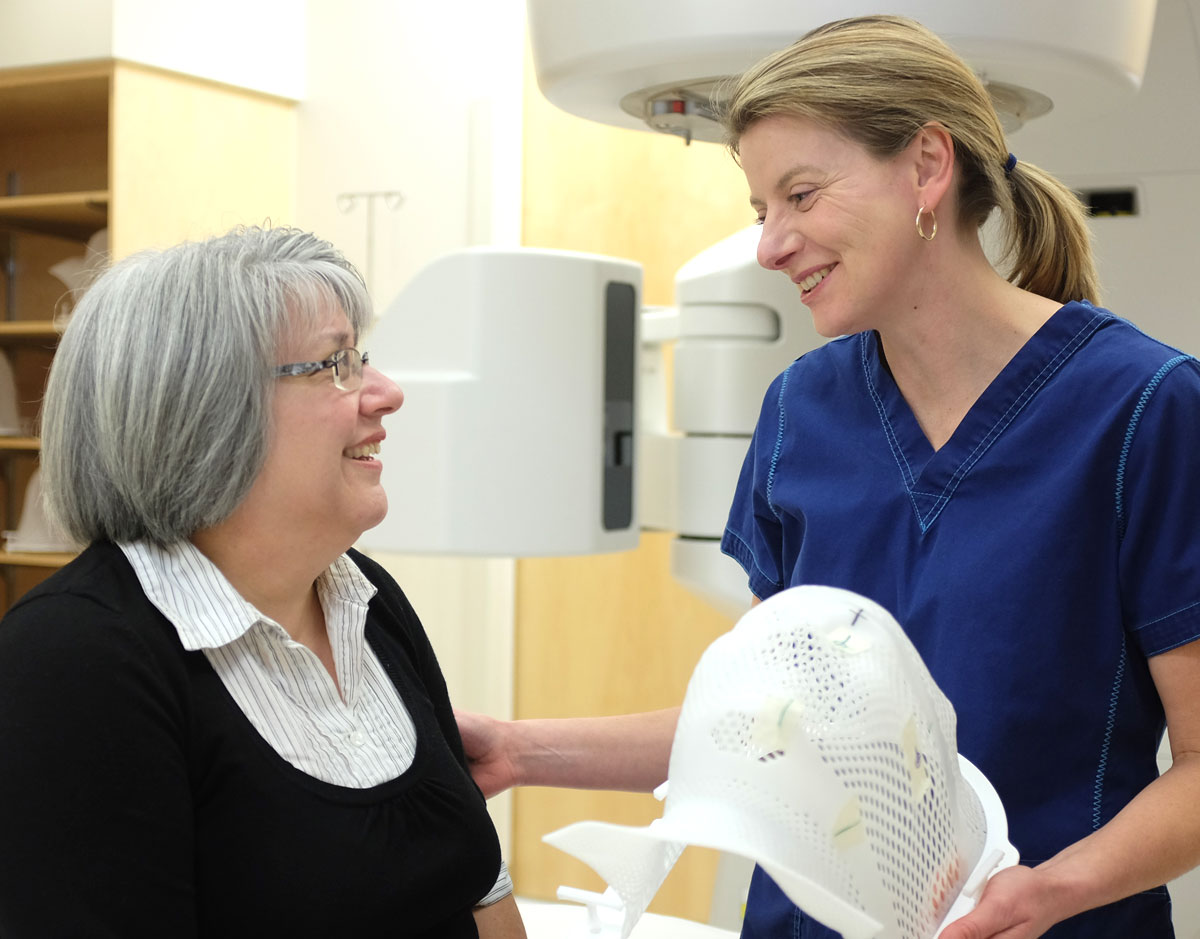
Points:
[(921, 228)]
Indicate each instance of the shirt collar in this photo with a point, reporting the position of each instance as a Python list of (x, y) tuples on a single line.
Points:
[(206, 610)]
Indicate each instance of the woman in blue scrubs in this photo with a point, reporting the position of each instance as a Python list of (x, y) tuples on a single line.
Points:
[(1009, 469)]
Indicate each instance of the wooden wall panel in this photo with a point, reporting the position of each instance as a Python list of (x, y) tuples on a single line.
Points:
[(613, 634), (192, 158)]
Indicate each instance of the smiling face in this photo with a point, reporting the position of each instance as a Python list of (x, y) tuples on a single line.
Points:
[(837, 220), (321, 477)]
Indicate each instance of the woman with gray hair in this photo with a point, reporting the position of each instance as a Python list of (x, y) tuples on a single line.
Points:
[(1008, 469), (220, 720)]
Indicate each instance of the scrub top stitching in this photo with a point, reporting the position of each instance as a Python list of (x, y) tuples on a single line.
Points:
[(1171, 615), (1110, 723), (1010, 414), (1131, 430), (907, 479), (749, 560), (906, 473), (778, 441), (926, 520)]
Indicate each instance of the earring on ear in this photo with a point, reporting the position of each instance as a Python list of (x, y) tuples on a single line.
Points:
[(921, 228)]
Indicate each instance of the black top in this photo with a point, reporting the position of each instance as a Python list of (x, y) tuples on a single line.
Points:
[(136, 799)]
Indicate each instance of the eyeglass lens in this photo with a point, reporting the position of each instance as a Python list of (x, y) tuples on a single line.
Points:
[(348, 369)]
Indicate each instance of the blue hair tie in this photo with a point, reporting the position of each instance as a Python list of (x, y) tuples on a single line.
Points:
[(1009, 164)]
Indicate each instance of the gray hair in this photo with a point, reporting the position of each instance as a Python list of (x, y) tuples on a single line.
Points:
[(157, 414)]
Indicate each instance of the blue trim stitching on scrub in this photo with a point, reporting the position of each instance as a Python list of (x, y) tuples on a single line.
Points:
[(1167, 616), (749, 551), (753, 562), (1175, 645), (1098, 790), (1147, 394), (778, 440), (926, 521), (906, 474), (1017, 406)]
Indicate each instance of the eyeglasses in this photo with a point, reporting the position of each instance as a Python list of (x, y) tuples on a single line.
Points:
[(347, 365)]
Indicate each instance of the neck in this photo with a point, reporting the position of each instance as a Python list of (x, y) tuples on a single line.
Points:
[(945, 350), (275, 567), (278, 579)]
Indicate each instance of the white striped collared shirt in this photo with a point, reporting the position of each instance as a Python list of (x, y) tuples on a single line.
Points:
[(358, 739)]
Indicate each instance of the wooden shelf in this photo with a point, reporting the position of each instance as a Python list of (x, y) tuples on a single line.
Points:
[(152, 155), (18, 331), (36, 558), (54, 96), (75, 215)]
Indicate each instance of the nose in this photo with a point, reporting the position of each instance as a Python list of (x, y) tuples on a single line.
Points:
[(380, 395), (777, 245)]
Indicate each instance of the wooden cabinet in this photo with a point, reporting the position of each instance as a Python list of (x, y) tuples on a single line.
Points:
[(155, 157)]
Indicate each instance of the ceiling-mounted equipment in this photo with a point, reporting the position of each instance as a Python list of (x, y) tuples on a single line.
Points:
[(635, 64)]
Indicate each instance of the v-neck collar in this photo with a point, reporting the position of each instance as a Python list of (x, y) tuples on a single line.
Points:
[(931, 477)]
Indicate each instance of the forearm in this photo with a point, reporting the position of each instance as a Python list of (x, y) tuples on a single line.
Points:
[(500, 920), (628, 751), (1150, 842)]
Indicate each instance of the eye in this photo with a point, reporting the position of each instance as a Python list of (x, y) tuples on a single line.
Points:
[(799, 200)]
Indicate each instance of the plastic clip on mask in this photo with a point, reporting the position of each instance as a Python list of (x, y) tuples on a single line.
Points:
[(814, 741)]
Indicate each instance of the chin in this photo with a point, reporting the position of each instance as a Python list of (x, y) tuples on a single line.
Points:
[(364, 521), (826, 329), (377, 515), (830, 332), (831, 327)]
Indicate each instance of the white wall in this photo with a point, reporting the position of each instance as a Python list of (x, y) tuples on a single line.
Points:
[(1152, 144), (256, 44), (54, 31), (419, 98)]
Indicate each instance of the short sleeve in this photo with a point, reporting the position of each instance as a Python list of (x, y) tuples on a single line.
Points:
[(1158, 510), (754, 534)]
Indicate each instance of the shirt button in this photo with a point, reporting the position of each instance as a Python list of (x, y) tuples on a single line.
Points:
[(357, 738)]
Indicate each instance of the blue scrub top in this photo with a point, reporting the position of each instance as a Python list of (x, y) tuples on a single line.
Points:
[(1036, 560)]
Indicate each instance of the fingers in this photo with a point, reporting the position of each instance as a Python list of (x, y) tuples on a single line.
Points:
[(1014, 905)]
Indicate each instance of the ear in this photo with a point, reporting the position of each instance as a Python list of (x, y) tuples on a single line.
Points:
[(932, 155)]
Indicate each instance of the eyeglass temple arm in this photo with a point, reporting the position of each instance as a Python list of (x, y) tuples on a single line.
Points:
[(300, 368)]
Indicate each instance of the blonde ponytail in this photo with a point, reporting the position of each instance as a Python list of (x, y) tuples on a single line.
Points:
[(1048, 244)]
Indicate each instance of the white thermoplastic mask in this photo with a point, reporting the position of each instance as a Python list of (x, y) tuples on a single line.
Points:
[(814, 741)]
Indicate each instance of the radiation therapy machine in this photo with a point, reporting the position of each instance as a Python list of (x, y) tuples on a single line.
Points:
[(543, 426)]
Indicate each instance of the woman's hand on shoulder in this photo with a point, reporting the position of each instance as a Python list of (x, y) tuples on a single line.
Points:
[(488, 748)]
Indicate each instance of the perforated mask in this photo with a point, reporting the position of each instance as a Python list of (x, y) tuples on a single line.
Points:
[(814, 741)]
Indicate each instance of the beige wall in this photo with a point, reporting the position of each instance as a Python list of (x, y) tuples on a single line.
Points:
[(190, 158), (612, 633)]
